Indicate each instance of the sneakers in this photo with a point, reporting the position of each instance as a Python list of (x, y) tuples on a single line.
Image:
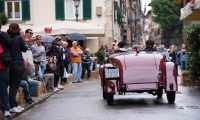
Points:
[(7, 114), (53, 89), (20, 108), (56, 88), (31, 99), (63, 83), (28, 101), (15, 110), (80, 82), (60, 87)]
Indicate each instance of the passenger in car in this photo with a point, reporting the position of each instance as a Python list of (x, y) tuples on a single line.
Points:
[(122, 47), (149, 45)]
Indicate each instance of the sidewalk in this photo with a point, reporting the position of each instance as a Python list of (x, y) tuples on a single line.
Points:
[(38, 100)]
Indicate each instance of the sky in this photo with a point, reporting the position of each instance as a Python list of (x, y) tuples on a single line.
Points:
[(147, 7)]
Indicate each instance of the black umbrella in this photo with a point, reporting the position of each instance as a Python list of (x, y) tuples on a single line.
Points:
[(75, 36)]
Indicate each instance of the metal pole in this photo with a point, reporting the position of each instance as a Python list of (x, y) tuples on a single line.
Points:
[(131, 25), (113, 18), (135, 20), (135, 24), (76, 14)]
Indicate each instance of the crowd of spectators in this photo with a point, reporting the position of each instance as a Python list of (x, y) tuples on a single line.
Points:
[(50, 64)]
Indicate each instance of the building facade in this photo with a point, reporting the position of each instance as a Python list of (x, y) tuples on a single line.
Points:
[(113, 15)]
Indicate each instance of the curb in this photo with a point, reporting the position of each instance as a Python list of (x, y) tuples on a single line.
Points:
[(30, 106)]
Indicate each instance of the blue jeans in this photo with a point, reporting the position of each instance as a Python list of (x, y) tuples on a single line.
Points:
[(183, 65), (41, 70), (76, 71), (69, 67), (4, 101), (29, 87)]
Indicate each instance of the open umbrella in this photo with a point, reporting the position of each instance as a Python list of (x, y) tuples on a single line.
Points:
[(75, 36), (47, 39)]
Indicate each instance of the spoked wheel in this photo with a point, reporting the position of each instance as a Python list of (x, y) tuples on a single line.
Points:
[(160, 92), (110, 98), (104, 94), (171, 95)]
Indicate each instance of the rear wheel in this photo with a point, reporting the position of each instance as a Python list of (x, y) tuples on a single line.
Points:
[(171, 95), (104, 94), (160, 92), (110, 98)]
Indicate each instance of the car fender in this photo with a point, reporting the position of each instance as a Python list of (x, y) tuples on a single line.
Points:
[(111, 85), (101, 72), (170, 82)]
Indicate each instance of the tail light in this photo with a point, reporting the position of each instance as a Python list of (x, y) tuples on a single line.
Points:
[(171, 86), (112, 85)]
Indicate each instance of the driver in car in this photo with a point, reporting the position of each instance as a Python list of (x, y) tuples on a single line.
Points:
[(149, 45)]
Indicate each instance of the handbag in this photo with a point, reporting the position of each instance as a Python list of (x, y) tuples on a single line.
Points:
[(5, 57), (28, 63), (29, 69), (65, 75)]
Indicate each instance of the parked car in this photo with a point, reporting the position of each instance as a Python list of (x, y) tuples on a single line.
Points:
[(138, 72)]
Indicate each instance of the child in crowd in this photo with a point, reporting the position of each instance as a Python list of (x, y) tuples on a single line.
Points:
[(48, 73)]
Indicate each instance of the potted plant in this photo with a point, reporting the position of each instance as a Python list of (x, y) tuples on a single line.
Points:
[(3, 18), (100, 54)]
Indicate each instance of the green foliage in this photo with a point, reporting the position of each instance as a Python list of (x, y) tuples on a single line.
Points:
[(100, 55), (3, 18), (166, 14), (192, 38)]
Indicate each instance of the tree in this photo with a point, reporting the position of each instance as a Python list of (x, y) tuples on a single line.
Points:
[(3, 18), (166, 13)]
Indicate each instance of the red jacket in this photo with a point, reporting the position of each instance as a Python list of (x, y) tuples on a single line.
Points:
[(8, 42), (2, 66)]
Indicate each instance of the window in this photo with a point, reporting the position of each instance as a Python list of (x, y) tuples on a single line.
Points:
[(70, 10), (13, 10)]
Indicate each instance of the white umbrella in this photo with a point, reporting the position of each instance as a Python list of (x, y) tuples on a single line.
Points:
[(67, 27)]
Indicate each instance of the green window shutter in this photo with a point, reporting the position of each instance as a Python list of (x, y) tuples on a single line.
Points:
[(2, 6), (87, 9), (26, 10), (60, 9), (118, 18), (115, 11)]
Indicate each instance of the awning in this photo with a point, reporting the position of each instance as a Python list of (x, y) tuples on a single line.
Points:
[(67, 27), (22, 26), (191, 11)]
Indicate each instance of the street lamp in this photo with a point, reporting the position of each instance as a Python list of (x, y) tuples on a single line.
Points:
[(134, 2), (76, 4)]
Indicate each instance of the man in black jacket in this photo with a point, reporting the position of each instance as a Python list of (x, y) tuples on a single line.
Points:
[(54, 51), (149, 45)]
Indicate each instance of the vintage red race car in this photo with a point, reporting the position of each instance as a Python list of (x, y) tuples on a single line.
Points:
[(138, 72)]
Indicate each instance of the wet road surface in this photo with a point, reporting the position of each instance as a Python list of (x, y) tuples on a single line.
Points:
[(83, 101)]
